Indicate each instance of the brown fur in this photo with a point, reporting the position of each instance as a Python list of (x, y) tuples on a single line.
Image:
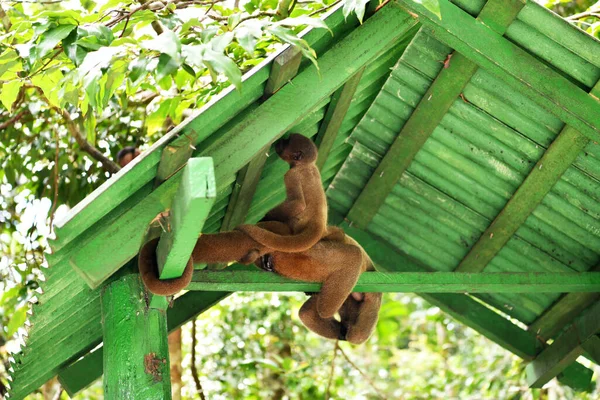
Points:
[(305, 207), (149, 272)]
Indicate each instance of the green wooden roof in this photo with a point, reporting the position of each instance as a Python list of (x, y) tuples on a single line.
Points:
[(455, 144)]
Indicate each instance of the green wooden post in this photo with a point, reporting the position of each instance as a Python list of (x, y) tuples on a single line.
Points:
[(136, 353)]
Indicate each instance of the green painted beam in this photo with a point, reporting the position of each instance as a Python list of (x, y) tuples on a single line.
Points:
[(412, 282), (548, 170), (85, 371), (556, 160), (509, 62), (191, 206), (466, 310), (565, 349), (445, 89), (336, 112), (237, 146), (592, 349), (413, 135), (563, 312), (136, 356), (173, 158)]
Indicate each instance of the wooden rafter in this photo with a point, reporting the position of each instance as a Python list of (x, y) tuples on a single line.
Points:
[(564, 350), (561, 313), (515, 66), (444, 90), (238, 145), (336, 112)]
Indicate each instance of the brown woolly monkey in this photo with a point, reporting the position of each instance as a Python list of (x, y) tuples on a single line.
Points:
[(305, 207), (126, 155), (337, 261)]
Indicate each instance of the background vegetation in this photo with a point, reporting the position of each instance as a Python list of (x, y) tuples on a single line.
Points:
[(81, 79)]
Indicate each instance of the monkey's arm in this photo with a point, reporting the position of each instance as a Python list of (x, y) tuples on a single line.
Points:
[(294, 203)]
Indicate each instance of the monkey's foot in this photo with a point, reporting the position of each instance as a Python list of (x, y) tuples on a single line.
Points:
[(250, 257), (266, 262)]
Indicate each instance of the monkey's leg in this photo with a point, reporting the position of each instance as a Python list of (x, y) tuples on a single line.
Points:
[(365, 318), (329, 328), (337, 265)]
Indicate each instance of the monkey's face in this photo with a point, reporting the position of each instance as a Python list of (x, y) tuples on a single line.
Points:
[(296, 150)]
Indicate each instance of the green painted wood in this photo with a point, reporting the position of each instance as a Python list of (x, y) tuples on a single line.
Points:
[(173, 158), (81, 374), (283, 69), (512, 64), (85, 371), (412, 282), (136, 356), (548, 170), (592, 348), (499, 14), (565, 349), (577, 377), (415, 132), (237, 146), (555, 318), (336, 112), (191, 206)]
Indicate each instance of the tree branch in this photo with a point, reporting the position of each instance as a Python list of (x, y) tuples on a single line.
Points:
[(13, 119), (5, 20), (73, 129)]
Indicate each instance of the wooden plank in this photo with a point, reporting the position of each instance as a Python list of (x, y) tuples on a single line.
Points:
[(336, 112), (512, 64), (410, 282), (173, 158), (136, 356), (447, 86), (415, 132), (548, 170), (283, 69), (191, 206), (238, 145), (85, 371), (466, 310), (556, 317), (564, 350)]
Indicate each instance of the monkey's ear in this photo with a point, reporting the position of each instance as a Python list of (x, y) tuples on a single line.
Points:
[(298, 155)]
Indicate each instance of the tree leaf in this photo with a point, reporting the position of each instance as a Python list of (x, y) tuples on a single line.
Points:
[(248, 33), (167, 43), (51, 37), (304, 20), (166, 66), (75, 53), (9, 93), (220, 63), (138, 69), (431, 5), (90, 127), (219, 43), (288, 36), (356, 6), (16, 321)]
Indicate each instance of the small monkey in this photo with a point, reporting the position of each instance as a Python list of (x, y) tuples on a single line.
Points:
[(305, 207)]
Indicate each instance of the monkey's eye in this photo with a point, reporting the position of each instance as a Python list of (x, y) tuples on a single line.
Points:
[(298, 156)]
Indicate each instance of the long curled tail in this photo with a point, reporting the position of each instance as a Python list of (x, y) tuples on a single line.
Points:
[(286, 243), (149, 272)]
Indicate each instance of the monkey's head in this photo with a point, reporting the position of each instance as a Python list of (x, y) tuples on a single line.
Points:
[(296, 150)]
